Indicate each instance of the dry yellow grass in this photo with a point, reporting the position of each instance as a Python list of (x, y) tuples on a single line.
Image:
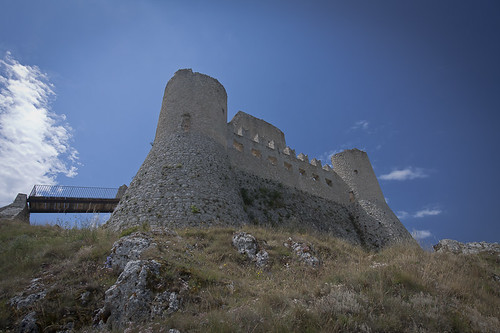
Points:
[(399, 289)]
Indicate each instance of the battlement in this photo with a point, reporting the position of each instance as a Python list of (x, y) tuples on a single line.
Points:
[(261, 149)]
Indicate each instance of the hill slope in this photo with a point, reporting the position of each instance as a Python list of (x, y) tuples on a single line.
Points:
[(195, 280)]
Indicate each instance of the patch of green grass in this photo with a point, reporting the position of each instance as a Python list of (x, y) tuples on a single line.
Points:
[(129, 231)]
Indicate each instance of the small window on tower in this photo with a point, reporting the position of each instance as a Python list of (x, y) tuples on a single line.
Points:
[(186, 122)]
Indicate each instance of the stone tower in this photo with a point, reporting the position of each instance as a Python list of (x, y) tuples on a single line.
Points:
[(379, 224), (186, 178)]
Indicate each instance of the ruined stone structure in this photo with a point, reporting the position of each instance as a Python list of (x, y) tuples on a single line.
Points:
[(204, 171), (17, 210)]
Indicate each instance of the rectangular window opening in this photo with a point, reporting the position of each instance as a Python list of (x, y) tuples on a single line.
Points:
[(256, 153), (238, 146), (273, 160)]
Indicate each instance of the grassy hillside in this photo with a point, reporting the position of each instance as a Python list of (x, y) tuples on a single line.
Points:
[(400, 289)]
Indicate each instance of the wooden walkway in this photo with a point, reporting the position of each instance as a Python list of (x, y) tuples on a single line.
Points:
[(73, 199)]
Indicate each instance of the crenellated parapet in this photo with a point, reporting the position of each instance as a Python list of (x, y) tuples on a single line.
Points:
[(262, 150)]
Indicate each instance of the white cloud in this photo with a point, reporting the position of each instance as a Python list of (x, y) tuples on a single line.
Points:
[(427, 212), (405, 174), (326, 157), (402, 214), (34, 141), (420, 234), (362, 124)]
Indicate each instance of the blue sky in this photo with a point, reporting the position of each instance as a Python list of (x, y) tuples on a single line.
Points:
[(416, 84)]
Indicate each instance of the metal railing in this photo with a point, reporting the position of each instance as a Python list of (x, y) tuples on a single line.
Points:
[(60, 191)]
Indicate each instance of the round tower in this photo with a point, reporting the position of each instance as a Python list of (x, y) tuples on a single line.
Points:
[(196, 103), (186, 179), (354, 167), (377, 224)]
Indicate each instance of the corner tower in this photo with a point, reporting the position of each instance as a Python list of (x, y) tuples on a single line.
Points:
[(377, 222), (196, 103), (186, 179), (354, 167)]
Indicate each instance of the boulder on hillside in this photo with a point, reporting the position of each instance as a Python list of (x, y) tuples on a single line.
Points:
[(136, 297), (128, 248), (456, 247), (247, 244), (304, 252)]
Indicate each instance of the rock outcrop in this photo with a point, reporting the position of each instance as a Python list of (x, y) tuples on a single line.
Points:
[(35, 292), (304, 252), (247, 244), (140, 294), (128, 248), (136, 297), (456, 247)]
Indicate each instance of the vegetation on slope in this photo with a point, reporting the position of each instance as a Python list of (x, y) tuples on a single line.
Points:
[(399, 289)]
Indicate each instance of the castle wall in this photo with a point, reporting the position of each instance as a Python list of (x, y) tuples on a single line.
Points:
[(185, 181), (271, 203), (258, 130), (18, 210), (285, 167)]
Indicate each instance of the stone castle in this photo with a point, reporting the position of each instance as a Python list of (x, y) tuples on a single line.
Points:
[(204, 171)]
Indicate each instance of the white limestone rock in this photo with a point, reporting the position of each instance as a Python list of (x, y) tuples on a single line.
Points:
[(28, 324), (35, 292), (128, 248), (456, 247), (303, 251), (134, 298), (247, 244)]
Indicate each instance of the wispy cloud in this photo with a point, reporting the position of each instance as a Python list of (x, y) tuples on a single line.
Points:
[(362, 124), (402, 214), (326, 157), (427, 212), (34, 141), (420, 234), (405, 174)]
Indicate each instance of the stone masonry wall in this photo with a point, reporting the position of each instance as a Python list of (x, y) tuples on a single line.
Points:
[(17, 210), (284, 166), (185, 181), (268, 202)]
